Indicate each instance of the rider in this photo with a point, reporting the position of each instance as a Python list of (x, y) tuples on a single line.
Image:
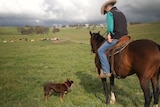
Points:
[(116, 28)]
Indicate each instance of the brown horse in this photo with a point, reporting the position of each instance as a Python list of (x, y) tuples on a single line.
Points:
[(140, 57)]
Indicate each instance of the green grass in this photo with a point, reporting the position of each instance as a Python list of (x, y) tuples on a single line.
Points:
[(26, 66)]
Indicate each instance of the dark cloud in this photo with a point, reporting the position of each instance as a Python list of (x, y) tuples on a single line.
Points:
[(141, 11), (52, 12), (17, 20)]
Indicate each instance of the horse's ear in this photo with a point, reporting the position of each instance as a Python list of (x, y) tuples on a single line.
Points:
[(90, 33), (99, 32)]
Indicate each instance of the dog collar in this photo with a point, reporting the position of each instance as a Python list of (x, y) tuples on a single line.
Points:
[(66, 85)]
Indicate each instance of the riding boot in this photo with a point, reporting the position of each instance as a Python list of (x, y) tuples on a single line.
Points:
[(104, 75)]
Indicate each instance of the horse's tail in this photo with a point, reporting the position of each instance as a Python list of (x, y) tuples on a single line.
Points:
[(159, 53), (159, 75), (159, 67), (159, 72)]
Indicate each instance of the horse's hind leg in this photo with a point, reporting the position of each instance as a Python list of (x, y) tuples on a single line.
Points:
[(147, 95), (154, 81)]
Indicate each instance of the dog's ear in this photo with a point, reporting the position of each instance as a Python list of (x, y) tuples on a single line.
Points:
[(68, 79)]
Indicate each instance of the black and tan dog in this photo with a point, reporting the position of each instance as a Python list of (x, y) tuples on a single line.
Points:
[(61, 88)]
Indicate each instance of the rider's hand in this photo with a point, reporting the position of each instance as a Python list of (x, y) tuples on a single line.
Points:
[(109, 38)]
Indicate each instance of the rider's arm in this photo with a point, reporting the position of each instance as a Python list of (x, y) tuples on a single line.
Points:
[(110, 23)]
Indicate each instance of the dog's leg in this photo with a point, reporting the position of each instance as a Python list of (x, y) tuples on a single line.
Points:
[(46, 98), (61, 97), (46, 95), (50, 93)]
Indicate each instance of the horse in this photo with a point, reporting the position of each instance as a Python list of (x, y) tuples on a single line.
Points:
[(140, 57)]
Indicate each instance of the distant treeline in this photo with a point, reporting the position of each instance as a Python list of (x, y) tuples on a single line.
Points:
[(36, 29)]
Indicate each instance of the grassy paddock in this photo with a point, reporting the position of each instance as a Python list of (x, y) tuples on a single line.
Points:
[(26, 66)]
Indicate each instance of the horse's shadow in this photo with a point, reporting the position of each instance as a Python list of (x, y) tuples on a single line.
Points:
[(91, 84), (94, 86), (88, 82)]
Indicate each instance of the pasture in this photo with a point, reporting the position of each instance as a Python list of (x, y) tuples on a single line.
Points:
[(27, 62)]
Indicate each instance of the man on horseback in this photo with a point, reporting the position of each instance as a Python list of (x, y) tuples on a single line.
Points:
[(116, 28)]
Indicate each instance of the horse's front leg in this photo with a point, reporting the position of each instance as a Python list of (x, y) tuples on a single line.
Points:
[(105, 87), (112, 97)]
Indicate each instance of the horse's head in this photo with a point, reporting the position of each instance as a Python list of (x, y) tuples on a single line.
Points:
[(95, 41)]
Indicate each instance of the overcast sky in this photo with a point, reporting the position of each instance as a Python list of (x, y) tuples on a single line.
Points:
[(51, 12)]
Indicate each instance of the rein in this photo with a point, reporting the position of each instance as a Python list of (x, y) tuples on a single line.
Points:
[(104, 33)]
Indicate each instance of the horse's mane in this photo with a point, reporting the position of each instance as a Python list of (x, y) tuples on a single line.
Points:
[(99, 38)]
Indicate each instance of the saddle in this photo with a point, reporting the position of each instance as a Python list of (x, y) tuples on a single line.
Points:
[(117, 48), (122, 43)]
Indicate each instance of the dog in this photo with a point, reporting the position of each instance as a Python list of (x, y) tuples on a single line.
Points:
[(61, 88)]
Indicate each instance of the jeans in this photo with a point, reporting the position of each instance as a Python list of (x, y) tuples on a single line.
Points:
[(102, 55)]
